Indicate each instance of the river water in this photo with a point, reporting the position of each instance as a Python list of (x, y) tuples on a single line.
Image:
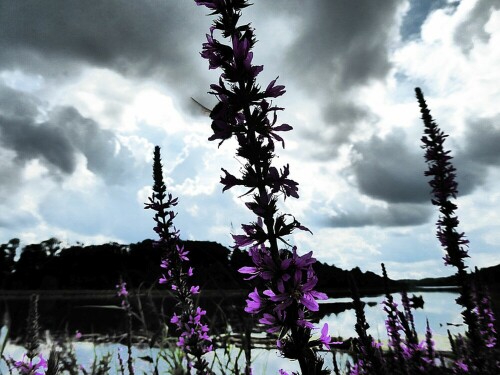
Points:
[(439, 308)]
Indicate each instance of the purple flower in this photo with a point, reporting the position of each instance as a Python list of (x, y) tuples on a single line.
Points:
[(302, 321), (122, 290), (273, 91), (462, 366), (325, 339), (255, 303), (304, 261), (280, 182), (174, 319), (229, 180), (29, 367), (265, 267), (182, 253), (276, 320), (299, 292), (195, 289), (214, 4)]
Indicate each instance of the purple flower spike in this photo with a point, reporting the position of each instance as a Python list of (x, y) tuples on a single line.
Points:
[(193, 337), (287, 297)]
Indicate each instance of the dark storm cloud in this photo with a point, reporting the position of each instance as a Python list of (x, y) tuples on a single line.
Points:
[(137, 38), (480, 152), (472, 28), (385, 169), (482, 141), (11, 179), (104, 154), (343, 41), (395, 215), (57, 140), (31, 141), (341, 46), (17, 105)]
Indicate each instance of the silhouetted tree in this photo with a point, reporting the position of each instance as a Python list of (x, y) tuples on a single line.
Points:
[(7, 255)]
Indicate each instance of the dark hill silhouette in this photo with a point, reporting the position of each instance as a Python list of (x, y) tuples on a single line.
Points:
[(48, 266), (489, 276)]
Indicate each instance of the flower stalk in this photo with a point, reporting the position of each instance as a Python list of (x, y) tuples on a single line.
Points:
[(188, 317), (245, 111), (444, 189)]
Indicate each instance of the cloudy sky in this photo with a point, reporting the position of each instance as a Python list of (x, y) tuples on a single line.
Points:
[(87, 88)]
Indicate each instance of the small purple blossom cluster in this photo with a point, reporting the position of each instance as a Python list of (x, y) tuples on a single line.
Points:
[(122, 292), (405, 354), (486, 320), (245, 111), (193, 332), (31, 366)]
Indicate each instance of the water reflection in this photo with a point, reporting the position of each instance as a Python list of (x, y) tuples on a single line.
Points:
[(226, 313), (102, 316), (440, 309)]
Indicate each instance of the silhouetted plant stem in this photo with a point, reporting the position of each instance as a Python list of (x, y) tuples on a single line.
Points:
[(243, 112), (122, 292), (393, 327), (367, 351), (33, 329), (444, 188), (188, 317)]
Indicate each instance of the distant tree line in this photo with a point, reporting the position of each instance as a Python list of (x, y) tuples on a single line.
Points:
[(48, 265)]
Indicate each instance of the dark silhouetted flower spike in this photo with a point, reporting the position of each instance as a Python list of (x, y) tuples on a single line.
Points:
[(430, 345), (32, 362), (33, 329), (245, 111), (444, 188), (368, 354), (193, 333)]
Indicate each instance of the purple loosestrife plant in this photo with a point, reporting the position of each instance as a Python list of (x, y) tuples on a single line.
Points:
[(245, 111), (123, 294), (368, 355), (31, 366), (444, 189), (393, 326), (193, 332), (33, 362)]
